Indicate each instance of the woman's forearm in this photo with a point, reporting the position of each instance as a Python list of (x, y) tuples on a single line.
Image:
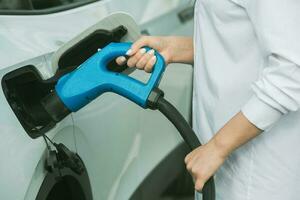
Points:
[(235, 133), (182, 49)]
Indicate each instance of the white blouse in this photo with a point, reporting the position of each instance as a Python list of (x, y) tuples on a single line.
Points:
[(247, 57)]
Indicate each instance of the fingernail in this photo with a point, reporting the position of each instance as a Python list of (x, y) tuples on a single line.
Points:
[(128, 53), (122, 59), (143, 50), (153, 59), (151, 52)]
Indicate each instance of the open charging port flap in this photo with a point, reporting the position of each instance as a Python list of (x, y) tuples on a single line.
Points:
[(24, 87)]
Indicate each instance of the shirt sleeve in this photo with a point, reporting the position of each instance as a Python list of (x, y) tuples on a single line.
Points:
[(277, 91)]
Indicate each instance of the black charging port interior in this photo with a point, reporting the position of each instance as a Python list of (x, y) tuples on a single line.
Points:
[(24, 89)]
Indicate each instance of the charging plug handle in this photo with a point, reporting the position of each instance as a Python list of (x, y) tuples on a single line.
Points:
[(92, 78)]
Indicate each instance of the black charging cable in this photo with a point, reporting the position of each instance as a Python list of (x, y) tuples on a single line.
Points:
[(156, 101)]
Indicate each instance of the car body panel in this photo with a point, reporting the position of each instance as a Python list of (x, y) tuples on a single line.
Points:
[(24, 37)]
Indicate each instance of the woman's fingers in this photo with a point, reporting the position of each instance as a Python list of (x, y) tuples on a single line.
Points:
[(134, 59), (138, 56), (144, 59), (121, 60), (195, 167), (135, 55), (149, 66), (199, 184), (203, 162), (190, 156)]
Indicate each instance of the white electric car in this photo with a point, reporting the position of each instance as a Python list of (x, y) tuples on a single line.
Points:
[(112, 149)]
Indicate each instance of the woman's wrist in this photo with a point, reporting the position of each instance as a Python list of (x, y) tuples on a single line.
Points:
[(181, 49), (235, 133), (221, 146)]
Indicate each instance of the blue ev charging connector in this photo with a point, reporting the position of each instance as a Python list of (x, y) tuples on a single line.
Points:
[(92, 78)]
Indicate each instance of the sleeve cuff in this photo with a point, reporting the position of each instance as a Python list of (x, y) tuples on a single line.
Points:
[(262, 115)]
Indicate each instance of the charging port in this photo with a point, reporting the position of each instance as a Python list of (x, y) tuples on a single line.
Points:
[(24, 88)]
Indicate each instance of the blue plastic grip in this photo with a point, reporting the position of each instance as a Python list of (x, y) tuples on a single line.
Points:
[(92, 78)]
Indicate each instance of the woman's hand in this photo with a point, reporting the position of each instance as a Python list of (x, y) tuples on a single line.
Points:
[(173, 49), (203, 162)]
